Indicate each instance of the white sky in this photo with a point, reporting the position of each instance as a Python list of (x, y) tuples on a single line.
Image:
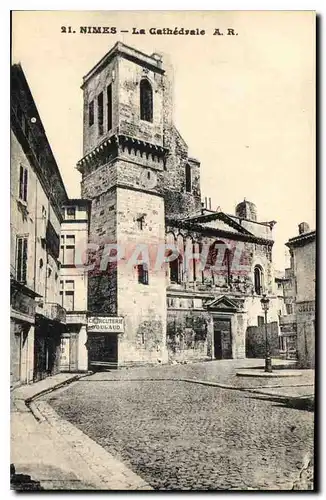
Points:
[(244, 104)]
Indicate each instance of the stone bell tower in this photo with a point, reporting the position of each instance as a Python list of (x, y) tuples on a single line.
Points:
[(123, 171)]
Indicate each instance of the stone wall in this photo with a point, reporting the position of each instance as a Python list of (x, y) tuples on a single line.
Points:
[(102, 279), (178, 202), (255, 340), (188, 336), (305, 271)]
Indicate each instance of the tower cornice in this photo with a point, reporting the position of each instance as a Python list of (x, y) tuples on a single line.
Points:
[(134, 55), (110, 147)]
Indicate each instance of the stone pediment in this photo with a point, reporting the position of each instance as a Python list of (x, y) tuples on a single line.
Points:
[(223, 303), (219, 221), (219, 224)]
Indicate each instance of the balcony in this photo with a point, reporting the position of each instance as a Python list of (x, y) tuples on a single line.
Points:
[(52, 311)]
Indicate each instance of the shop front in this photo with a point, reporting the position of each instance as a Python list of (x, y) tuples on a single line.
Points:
[(103, 341), (49, 327), (74, 344), (22, 319)]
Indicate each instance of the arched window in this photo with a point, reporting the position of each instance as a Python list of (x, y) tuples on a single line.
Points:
[(258, 280), (146, 101), (175, 270), (219, 260)]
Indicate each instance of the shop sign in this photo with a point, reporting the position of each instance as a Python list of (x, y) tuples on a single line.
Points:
[(105, 324)]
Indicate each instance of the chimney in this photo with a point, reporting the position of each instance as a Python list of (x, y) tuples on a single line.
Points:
[(210, 203), (205, 201), (304, 228)]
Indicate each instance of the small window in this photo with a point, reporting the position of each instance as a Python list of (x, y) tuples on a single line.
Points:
[(91, 113), (67, 294), (71, 213), (260, 320), (100, 113), (23, 181), (142, 274), (141, 222), (21, 259), (68, 249), (188, 178), (109, 106), (146, 101)]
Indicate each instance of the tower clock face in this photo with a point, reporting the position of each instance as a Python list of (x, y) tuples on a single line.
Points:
[(148, 179)]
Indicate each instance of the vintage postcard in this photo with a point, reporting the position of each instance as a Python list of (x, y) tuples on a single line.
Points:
[(162, 204)]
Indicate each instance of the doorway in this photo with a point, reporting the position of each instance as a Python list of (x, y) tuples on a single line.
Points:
[(103, 350), (222, 338)]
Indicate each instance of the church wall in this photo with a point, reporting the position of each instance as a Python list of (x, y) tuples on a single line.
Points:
[(188, 334), (177, 200)]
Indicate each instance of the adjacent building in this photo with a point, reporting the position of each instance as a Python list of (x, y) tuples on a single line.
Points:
[(302, 276), (145, 192), (37, 194), (38, 211), (73, 285)]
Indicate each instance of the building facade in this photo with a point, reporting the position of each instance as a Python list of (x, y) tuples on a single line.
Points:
[(73, 285), (303, 275), (145, 195), (38, 213), (37, 194)]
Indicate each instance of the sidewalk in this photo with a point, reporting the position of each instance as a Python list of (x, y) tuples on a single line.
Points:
[(23, 394), (52, 454)]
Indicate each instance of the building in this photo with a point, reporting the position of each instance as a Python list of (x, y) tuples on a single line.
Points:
[(39, 211), (303, 276), (288, 333), (145, 195), (37, 194), (73, 285)]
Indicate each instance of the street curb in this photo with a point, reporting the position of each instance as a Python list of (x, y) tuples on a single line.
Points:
[(257, 390), (274, 374), (29, 402)]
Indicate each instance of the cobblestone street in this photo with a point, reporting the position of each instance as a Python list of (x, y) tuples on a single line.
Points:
[(179, 435)]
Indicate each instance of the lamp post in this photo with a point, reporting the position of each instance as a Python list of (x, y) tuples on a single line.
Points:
[(268, 360)]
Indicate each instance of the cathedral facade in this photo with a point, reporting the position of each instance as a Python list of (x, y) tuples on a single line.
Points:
[(186, 280)]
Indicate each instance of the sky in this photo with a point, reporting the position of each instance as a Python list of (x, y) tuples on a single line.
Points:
[(245, 104)]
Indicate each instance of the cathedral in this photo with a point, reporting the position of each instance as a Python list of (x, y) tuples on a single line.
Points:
[(201, 299)]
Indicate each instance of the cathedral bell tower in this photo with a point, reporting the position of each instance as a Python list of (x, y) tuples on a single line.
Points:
[(123, 170)]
